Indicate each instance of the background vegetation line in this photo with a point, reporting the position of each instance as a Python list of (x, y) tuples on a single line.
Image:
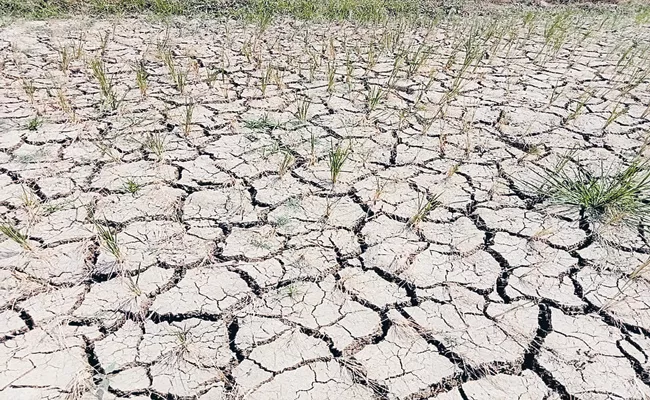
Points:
[(263, 11)]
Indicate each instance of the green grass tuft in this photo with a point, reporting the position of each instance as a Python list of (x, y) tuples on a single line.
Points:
[(621, 196)]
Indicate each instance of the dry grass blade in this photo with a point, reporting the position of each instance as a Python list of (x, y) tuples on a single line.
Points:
[(13, 233), (638, 271)]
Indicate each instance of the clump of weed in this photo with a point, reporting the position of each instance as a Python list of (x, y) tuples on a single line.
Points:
[(177, 75), (141, 77), (189, 112), (65, 57), (287, 161), (337, 157), (34, 123), (107, 90), (29, 88), (375, 95), (155, 143), (302, 107), (108, 241), (606, 196), (425, 206), (261, 123), (292, 291), (132, 186)]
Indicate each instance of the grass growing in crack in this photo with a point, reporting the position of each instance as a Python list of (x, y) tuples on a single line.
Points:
[(108, 240), (132, 186), (425, 206), (453, 170), (337, 157), (375, 95), (64, 103), (580, 104), (265, 79), (609, 197), (349, 69), (302, 107), (331, 77), (106, 87), (557, 92), (312, 147), (13, 233), (260, 124), (155, 143), (189, 111), (380, 187), (103, 40), (415, 60), (141, 77), (286, 163), (292, 291), (31, 203), (34, 123), (178, 77), (29, 88), (65, 56)]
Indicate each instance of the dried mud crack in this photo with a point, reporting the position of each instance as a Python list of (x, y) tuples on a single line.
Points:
[(208, 209)]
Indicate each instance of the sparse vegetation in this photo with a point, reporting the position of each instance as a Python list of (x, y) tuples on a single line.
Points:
[(260, 174)]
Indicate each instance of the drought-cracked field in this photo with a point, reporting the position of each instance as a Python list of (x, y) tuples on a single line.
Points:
[(203, 209)]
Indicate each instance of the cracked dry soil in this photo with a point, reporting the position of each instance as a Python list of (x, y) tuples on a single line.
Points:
[(239, 271)]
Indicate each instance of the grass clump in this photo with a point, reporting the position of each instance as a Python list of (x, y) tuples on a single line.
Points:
[(106, 87), (337, 157), (262, 123), (132, 186), (607, 196), (424, 207), (285, 165), (108, 241), (34, 123)]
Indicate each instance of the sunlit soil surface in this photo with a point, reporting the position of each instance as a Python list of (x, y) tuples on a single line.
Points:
[(213, 210)]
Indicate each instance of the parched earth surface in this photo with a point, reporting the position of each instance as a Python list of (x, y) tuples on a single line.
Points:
[(186, 241)]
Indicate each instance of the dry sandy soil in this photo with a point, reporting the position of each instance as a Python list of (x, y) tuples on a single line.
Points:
[(185, 239)]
